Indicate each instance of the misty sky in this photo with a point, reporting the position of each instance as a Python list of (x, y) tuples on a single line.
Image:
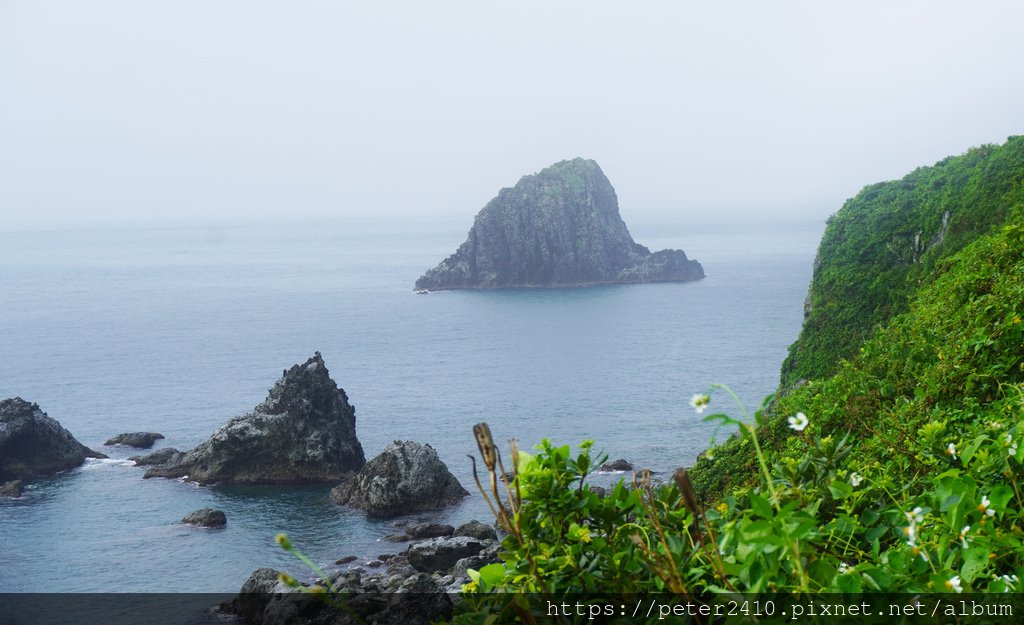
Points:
[(216, 110)]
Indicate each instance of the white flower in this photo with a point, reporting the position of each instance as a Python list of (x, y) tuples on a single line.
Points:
[(799, 422), (1011, 444), (963, 535), (699, 402), (951, 450), (954, 584), (1010, 581), (910, 532), (855, 479), (844, 568), (984, 506), (918, 513)]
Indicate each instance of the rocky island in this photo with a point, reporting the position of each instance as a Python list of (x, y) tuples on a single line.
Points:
[(303, 432), (33, 444), (558, 227)]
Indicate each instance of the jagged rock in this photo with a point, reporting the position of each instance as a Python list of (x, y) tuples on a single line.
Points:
[(346, 560), (12, 489), (488, 555), (616, 465), (206, 517), (405, 478), (441, 554), (162, 456), (429, 530), (476, 529), (304, 431), (141, 440), (33, 444), (397, 538), (559, 227)]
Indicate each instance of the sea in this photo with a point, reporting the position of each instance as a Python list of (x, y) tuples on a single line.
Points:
[(175, 329)]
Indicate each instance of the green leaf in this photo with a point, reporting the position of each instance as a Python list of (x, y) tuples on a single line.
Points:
[(1000, 497), (760, 506), (849, 583), (492, 574), (840, 490), (975, 561)]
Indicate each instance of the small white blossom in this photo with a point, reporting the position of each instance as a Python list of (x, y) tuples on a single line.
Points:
[(844, 568), (799, 422), (699, 402), (1010, 581), (855, 479), (954, 584), (984, 506), (963, 536), (951, 450), (1011, 444)]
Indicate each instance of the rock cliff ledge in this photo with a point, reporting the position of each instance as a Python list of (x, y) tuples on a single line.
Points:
[(559, 227)]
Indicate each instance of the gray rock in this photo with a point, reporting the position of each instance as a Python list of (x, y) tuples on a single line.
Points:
[(441, 554), (405, 478), (305, 431), (616, 465), (559, 227), (397, 538), (429, 530), (163, 456), (141, 440), (33, 444), (12, 489), (206, 517), (346, 560), (476, 529)]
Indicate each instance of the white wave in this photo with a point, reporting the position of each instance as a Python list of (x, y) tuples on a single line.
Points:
[(96, 463)]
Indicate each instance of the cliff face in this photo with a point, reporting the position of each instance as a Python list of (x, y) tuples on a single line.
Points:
[(33, 444), (559, 227)]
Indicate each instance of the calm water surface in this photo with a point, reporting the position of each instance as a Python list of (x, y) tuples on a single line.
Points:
[(177, 329)]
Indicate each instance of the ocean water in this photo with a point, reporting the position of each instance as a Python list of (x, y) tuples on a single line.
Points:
[(177, 329)]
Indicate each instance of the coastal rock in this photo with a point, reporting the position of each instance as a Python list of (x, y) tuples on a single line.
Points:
[(206, 517), (162, 456), (616, 465), (141, 440), (476, 529), (12, 489), (405, 478), (559, 227), (33, 444), (429, 530), (441, 554), (304, 431)]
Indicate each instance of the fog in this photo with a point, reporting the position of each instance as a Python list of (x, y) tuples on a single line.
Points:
[(218, 111)]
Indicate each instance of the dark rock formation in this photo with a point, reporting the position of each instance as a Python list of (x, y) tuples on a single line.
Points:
[(305, 431), (206, 517), (439, 554), (476, 529), (616, 465), (559, 227), (142, 440), (405, 478), (32, 444), (12, 489), (429, 530), (163, 456)]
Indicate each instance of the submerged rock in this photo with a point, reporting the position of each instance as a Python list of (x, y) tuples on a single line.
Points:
[(206, 517), (141, 440), (33, 444), (616, 465), (406, 477), (163, 456), (12, 489), (304, 431), (559, 227)]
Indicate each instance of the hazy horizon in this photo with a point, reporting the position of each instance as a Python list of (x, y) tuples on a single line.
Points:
[(120, 112)]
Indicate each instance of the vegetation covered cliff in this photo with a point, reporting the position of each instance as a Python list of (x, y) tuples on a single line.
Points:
[(559, 227), (888, 461)]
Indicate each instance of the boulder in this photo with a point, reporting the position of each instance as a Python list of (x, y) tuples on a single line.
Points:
[(616, 465), (303, 432), (429, 530), (163, 456), (405, 478), (206, 517), (476, 529), (558, 227), (441, 554), (141, 440), (33, 444), (12, 489)]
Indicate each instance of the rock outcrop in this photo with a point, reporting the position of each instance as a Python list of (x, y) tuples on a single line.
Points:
[(33, 444), (406, 477), (162, 456), (206, 517), (559, 227), (140, 440), (304, 432), (12, 489)]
